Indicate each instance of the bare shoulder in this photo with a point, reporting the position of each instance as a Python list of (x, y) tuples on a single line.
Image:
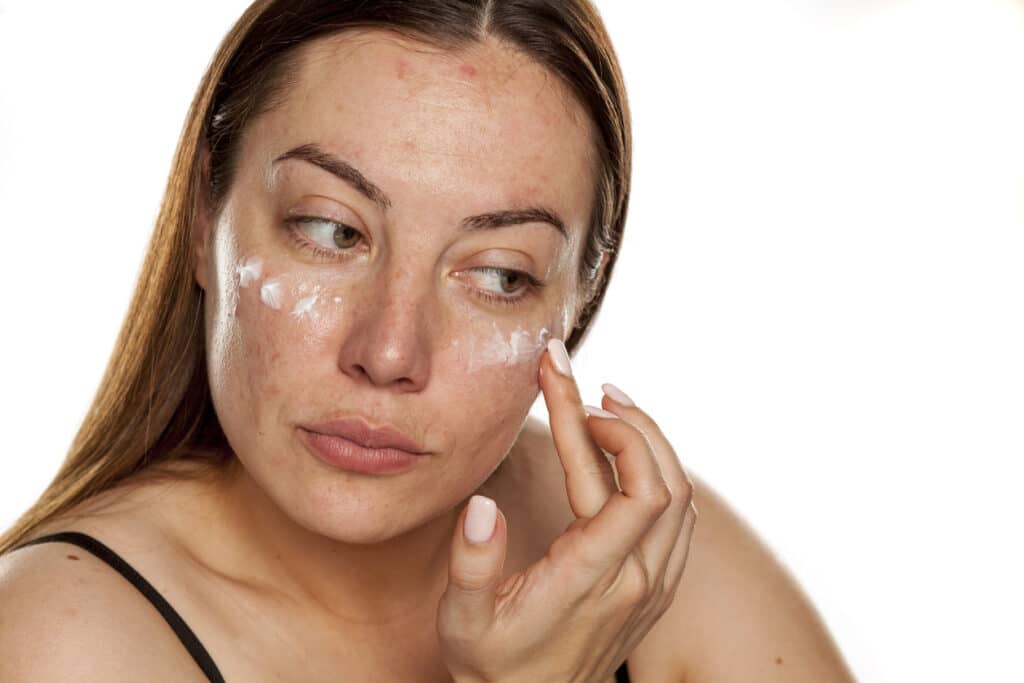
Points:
[(67, 615), (745, 614), (738, 615)]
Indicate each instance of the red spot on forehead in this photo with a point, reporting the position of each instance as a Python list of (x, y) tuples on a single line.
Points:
[(468, 70)]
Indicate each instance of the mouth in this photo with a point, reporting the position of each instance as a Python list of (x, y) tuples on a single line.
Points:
[(358, 431), (342, 453)]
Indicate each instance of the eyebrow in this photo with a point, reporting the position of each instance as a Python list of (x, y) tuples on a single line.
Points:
[(340, 168)]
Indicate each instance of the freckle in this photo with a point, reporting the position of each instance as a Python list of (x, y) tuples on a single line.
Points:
[(72, 557), (778, 660), (468, 70)]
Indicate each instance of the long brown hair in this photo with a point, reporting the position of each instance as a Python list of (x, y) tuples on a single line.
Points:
[(153, 404)]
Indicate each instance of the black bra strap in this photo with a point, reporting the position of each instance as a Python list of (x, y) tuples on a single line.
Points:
[(181, 629)]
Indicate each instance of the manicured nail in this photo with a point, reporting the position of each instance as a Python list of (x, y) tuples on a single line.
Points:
[(617, 395), (598, 412), (480, 519), (556, 347)]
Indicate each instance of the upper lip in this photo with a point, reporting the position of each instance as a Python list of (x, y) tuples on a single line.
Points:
[(359, 431)]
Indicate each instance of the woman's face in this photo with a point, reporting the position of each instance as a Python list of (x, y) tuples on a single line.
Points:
[(378, 297)]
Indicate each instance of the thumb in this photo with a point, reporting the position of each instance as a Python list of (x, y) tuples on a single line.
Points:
[(474, 568)]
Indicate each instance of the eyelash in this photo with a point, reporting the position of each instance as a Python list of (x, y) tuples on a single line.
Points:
[(533, 284)]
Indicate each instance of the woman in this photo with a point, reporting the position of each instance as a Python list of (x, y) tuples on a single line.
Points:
[(382, 222)]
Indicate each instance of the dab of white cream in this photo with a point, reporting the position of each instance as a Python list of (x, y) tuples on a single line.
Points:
[(249, 271), (519, 347), (304, 305), (270, 294)]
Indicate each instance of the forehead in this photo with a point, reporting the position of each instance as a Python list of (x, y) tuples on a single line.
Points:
[(484, 125)]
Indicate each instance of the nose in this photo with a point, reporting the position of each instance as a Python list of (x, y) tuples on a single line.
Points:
[(388, 339)]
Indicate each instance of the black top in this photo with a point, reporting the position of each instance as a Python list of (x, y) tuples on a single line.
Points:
[(181, 629)]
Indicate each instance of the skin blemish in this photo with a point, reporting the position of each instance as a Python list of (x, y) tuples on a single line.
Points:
[(72, 557), (271, 294), (249, 271), (778, 660), (401, 70), (468, 70)]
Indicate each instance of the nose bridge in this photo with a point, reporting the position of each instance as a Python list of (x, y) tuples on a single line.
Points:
[(389, 341)]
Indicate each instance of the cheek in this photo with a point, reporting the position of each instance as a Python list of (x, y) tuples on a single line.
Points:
[(265, 325), (497, 366)]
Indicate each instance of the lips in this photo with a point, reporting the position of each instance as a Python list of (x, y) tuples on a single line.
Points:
[(358, 431)]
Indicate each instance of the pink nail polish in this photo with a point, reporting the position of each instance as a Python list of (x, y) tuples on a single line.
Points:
[(617, 395), (560, 357), (480, 519), (598, 412)]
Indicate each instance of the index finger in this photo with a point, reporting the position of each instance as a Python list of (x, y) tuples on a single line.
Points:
[(589, 477)]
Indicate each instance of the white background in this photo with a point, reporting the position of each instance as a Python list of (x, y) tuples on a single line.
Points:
[(819, 296)]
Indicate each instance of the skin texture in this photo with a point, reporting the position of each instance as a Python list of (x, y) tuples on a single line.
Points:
[(389, 324)]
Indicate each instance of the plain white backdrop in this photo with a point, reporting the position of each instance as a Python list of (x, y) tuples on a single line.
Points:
[(820, 295)]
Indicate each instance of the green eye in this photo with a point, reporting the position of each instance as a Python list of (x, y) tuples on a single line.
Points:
[(326, 234), (343, 234)]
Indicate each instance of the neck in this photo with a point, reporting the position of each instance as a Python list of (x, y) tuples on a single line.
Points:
[(373, 585)]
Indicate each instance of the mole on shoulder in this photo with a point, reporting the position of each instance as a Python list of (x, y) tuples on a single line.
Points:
[(72, 557)]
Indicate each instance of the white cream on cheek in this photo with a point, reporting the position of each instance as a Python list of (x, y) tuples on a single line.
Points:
[(277, 292), (249, 271), (492, 348), (271, 294), (498, 348)]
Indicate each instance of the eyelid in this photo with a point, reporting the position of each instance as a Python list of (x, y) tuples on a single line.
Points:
[(303, 241)]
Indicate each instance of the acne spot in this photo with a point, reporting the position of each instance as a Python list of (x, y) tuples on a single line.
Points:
[(72, 557), (271, 295), (401, 70), (249, 271), (468, 70)]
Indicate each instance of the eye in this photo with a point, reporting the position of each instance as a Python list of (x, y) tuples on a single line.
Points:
[(326, 235), (506, 281), (509, 286)]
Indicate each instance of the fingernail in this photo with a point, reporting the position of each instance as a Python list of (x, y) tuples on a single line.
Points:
[(556, 347), (598, 412), (617, 395), (480, 519)]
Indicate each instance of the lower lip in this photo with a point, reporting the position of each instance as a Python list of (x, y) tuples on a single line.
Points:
[(339, 452)]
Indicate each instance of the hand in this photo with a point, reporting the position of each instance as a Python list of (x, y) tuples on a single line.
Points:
[(577, 613)]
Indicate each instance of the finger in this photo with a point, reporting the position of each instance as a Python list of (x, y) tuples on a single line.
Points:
[(630, 513), (616, 401), (476, 559), (677, 560), (589, 477), (661, 541)]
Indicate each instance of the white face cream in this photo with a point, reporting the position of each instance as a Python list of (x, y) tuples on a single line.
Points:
[(508, 349), (249, 271), (479, 347), (272, 294)]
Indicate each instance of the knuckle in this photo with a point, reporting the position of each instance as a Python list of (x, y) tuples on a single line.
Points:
[(660, 497), (683, 491), (634, 584)]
